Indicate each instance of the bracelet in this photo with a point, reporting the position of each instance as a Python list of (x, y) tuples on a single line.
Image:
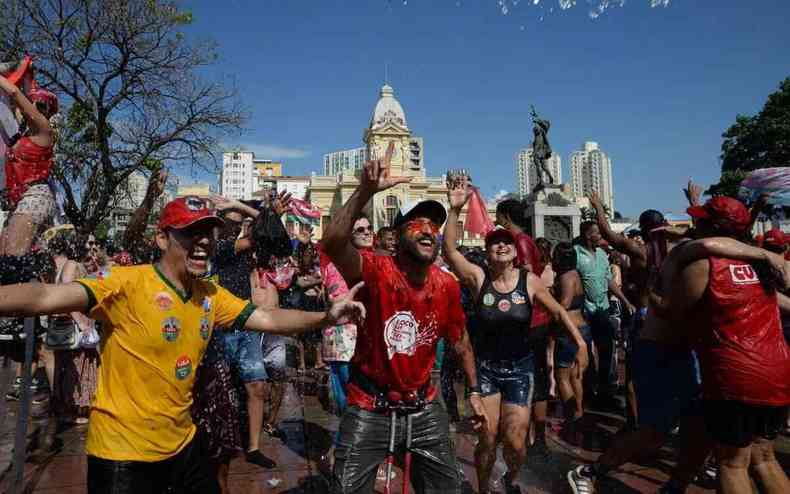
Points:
[(473, 390)]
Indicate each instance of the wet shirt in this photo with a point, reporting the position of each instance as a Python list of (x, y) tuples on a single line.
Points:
[(593, 268), (233, 268), (26, 163), (503, 321), (743, 352), (154, 338), (396, 346)]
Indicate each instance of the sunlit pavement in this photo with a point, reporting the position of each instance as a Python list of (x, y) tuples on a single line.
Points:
[(309, 429)]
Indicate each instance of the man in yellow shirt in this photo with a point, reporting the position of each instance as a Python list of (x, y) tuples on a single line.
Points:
[(157, 320)]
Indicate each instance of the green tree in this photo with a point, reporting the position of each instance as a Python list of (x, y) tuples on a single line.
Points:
[(754, 142), (131, 92)]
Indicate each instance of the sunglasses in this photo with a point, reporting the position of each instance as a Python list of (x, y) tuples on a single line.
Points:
[(419, 224), (361, 230)]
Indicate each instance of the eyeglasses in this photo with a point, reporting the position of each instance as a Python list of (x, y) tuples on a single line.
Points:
[(362, 230)]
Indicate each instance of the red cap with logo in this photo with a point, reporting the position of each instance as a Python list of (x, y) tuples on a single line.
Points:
[(186, 211), (726, 213), (499, 233)]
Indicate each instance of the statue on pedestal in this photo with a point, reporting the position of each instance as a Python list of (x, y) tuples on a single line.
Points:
[(541, 150)]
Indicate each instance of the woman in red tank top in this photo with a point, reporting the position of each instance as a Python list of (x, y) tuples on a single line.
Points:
[(28, 165)]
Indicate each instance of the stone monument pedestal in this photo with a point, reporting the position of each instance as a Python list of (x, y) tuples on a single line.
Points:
[(553, 214)]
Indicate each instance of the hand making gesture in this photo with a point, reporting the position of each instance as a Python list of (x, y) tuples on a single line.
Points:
[(346, 307), (459, 190), (281, 203), (693, 193), (376, 174), (595, 201)]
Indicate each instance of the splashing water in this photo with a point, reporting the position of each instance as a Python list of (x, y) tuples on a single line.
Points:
[(597, 7)]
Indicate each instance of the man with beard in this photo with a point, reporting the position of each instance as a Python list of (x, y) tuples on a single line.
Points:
[(157, 321), (411, 305)]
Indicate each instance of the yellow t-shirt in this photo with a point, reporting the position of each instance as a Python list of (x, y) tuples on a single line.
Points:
[(154, 338)]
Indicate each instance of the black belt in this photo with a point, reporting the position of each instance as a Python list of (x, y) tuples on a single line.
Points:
[(387, 401)]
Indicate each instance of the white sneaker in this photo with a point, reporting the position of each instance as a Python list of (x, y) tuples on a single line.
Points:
[(581, 483)]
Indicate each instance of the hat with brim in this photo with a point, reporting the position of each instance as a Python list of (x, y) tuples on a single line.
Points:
[(774, 238), (727, 214), (433, 210), (499, 233), (188, 211)]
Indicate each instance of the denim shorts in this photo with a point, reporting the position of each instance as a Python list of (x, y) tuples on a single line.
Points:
[(667, 384), (513, 379), (274, 354), (242, 350), (565, 348)]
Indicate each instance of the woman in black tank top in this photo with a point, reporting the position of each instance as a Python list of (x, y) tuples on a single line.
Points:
[(505, 296)]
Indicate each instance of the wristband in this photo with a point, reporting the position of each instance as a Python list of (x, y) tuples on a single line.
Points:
[(473, 390)]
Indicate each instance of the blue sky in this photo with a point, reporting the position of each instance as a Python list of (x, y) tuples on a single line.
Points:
[(655, 87)]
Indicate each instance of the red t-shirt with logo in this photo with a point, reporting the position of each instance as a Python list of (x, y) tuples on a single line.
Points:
[(396, 346), (743, 353)]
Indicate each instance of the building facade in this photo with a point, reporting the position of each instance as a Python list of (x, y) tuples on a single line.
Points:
[(387, 125), (591, 171), (349, 161), (296, 186), (236, 178), (527, 172)]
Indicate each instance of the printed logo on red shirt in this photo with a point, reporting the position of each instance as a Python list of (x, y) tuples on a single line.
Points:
[(743, 274), (400, 334)]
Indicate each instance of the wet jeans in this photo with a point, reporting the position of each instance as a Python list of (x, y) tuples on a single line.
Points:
[(188, 472), (362, 447), (603, 333)]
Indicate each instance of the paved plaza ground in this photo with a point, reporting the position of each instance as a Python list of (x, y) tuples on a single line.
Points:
[(309, 427)]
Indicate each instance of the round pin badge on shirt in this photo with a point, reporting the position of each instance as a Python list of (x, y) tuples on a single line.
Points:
[(164, 301), (488, 299), (183, 367), (504, 305), (170, 328)]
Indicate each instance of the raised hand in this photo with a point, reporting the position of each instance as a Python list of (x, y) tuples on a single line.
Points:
[(459, 191), (595, 201), (693, 193), (346, 307), (375, 175), (281, 203), (157, 183), (223, 203)]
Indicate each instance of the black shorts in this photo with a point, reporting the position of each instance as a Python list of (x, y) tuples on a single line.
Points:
[(541, 370), (738, 424)]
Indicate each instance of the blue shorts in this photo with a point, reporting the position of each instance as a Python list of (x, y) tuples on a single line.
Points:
[(274, 354), (565, 348), (242, 350), (513, 379), (667, 384)]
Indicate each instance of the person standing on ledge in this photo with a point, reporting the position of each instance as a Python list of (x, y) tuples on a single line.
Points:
[(412, 304), (157, 321)]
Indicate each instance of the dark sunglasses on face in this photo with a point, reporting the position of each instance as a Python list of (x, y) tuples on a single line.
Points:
[(362, 230)]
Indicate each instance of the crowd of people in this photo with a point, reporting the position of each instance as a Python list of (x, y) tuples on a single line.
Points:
[(172, 345)]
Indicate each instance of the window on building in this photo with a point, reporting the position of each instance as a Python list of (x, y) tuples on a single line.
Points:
[(391, 208)]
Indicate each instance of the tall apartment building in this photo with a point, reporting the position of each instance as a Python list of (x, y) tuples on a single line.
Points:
[(527, 172), (236, 178), (591, 170), (348, 160)]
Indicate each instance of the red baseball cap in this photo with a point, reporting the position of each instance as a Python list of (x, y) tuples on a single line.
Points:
[(498, 233), (186, 211), (725, 212), (774, 237)]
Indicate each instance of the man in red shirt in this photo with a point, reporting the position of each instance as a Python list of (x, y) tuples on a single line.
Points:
[(411, 304), (745, 360)]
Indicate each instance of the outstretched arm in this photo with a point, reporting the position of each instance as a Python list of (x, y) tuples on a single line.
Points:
[(284, 321), (33, 299), (542, 295), (616, 240), (470, 275), (337, 238), (135, 231), (40, 123)]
